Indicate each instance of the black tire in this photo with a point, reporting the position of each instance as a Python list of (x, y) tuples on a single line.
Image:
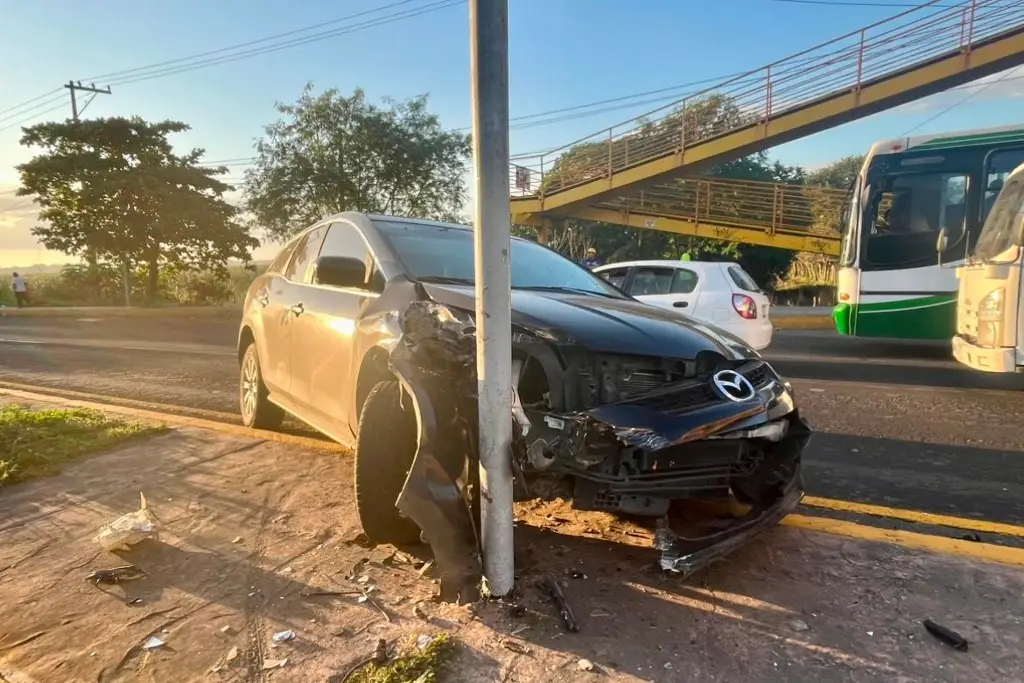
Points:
[(253, 402), (385, 450)]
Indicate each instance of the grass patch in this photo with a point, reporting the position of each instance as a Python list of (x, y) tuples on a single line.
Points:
[(37, 443), (416, 666), (804, 322)]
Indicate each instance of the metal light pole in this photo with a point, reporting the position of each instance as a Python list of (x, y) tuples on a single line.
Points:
[(488, 25)]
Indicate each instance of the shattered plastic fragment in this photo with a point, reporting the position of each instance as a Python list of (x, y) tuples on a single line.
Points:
[(948, 636), (153, 643), (128, 529), (284, 636)]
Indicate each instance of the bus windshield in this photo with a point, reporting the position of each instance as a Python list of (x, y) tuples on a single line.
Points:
[(1002, 230)]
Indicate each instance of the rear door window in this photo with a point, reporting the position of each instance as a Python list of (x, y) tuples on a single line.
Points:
[(616, 276), (648, 281), (741, 279), (685, 281)]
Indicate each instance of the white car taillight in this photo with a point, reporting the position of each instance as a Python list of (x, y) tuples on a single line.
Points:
[(745, 306)]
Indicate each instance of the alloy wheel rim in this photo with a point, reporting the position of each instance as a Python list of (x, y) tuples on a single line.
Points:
[(250, 387)]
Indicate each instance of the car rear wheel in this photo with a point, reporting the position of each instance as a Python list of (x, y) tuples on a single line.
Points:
[(257, 410), (385, 451)]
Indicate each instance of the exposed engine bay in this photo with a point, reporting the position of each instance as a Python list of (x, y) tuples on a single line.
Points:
[(628, 434)]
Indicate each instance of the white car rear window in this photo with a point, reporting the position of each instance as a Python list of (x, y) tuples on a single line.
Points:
[(742, 280)]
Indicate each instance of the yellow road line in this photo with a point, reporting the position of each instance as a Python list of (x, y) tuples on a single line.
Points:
[(915, 516), (909, 539)]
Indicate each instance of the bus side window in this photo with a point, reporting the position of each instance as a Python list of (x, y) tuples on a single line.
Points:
[(998, 167)]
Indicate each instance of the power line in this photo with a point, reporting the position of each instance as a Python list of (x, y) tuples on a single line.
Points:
[(125, 72), (27, 102), (29, 112), (142, 75), (960, 102), (167, 68), (851, 3)]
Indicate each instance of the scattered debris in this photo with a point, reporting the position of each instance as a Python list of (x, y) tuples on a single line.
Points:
[(232, 654), (153, 643), (418, 611), (972, 536), (577, 574), (585, 665), (284, 636), (423, 641), (127, 572), (227, 630), (379, 657), (555, 591), (515, 646), (314, 593), (133, 602), (948, 636), (274, 663), (798, 625), (426, 567), (128, 529), (236, 539)]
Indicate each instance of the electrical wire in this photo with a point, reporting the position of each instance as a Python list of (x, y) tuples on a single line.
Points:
[(316, 37), (953, 106), (168, 68), (852, 3), (125, 72), (27, 102)]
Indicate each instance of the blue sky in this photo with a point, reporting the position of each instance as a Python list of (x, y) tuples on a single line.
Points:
[(563, 53)]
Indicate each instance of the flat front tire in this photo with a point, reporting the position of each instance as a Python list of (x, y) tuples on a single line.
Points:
[(257, 410), (385, 450)]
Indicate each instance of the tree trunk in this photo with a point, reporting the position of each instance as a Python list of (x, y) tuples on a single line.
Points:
[(153, 280)]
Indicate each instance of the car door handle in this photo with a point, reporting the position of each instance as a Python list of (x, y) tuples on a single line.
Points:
[(680, 304), (297, 309)]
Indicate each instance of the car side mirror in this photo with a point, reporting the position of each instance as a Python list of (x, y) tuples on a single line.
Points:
[(340, 271), (942, 243)]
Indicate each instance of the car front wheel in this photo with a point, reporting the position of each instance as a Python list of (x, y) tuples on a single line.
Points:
[(257, 410), (385, 450)]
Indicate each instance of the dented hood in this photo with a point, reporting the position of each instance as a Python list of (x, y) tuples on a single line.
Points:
[(604, 324)]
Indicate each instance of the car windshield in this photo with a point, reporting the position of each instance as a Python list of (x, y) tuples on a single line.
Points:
[(442, 254)]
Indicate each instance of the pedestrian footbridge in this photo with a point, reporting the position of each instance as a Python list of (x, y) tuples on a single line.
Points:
[(644, 173)]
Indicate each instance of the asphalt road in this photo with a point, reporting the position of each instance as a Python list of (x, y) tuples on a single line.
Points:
[(899, 425)]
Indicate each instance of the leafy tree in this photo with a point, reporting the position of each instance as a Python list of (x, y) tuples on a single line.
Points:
[(114, 189), (826, 214), (330, 153)]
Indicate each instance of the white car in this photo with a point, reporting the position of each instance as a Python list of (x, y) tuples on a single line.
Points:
[(720, 294)]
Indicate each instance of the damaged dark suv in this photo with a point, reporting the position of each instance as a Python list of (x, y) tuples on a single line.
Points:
[(363, 328)]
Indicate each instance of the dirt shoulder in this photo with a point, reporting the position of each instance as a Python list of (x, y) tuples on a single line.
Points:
[(251, 529)]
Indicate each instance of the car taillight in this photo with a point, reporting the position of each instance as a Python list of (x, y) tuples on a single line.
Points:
[(745, 306)]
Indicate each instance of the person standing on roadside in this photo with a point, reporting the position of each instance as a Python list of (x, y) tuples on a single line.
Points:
[(591, 260), (20, 288)]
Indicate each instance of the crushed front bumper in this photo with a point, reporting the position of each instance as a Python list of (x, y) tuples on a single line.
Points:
[(435, 363)]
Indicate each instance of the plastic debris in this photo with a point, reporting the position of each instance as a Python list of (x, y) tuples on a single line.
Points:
[(948, 636), (129, 529), (555, 591), (153, 643), (798, 625), (127, 572), (284, 636), (585, 665), (274, 663), (423, 641)]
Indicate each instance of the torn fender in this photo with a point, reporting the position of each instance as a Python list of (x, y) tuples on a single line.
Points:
[(433, 496)]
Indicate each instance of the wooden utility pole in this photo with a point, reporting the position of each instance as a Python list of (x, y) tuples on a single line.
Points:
[(75, 86)]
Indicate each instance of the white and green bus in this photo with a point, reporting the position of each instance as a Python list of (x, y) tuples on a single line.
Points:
[(890, 281)]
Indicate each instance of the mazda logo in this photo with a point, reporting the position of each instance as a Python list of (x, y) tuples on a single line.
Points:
[(733, 386)]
